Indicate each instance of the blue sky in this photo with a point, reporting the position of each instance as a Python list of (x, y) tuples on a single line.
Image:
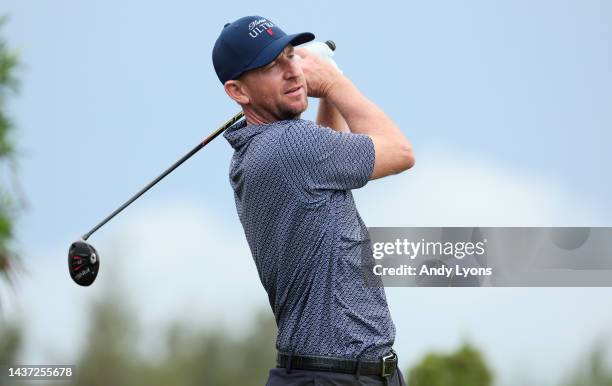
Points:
[(507, 105), (118, 91)]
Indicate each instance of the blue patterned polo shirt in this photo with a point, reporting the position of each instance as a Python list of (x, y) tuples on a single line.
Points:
[(292, 184)]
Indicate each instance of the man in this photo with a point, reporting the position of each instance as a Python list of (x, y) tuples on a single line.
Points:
[(292, 180)]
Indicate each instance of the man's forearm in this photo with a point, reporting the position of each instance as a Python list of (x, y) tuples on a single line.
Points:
[(393, 151), (361, 115), (329, 116)]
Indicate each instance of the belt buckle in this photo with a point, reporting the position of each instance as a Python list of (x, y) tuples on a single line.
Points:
[(385, 361)]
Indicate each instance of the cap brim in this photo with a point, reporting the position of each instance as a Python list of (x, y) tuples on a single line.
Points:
[(274, 49)]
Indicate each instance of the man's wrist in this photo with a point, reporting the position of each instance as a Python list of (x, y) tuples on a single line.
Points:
[(329, 116), (337, 89)]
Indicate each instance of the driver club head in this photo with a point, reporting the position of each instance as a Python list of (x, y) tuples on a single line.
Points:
[(83, 263)]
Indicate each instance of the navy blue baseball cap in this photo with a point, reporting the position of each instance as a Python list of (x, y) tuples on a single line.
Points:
[(248, 43)]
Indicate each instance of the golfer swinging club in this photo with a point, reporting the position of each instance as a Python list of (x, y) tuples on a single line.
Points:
[(292, 182)]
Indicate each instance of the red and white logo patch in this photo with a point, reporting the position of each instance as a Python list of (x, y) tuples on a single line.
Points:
[(258, 26)]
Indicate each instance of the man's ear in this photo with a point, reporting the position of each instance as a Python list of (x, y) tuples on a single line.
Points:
[(237, 91)]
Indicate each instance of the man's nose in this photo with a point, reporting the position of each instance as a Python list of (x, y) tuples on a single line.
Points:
[(291, 68)]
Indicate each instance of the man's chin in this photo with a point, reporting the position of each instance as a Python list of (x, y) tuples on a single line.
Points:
[(294, 112)]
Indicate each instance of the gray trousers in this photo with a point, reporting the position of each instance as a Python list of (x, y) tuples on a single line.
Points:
[(279, 376)]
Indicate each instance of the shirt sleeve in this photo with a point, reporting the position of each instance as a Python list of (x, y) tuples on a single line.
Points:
[(319, 158)]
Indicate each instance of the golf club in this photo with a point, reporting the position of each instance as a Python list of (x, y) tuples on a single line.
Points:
[(84, 260)]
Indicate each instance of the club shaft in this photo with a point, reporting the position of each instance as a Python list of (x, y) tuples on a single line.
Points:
[(212, 136)]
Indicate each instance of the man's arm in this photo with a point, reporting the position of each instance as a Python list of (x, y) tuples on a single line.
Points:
[(329, 116), (393, 150)]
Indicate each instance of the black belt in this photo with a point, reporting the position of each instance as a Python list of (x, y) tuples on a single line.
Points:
[(385, 367)]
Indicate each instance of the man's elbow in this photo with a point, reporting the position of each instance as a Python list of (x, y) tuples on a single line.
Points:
[(407, 157), (392, 157)]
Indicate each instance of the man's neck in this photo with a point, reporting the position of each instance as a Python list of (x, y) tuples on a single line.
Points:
[(254, 118)]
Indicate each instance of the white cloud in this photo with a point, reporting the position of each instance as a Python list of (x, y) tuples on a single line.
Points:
[(450, 188)]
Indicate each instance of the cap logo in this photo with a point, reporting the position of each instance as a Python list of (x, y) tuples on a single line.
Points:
[(258, 26)]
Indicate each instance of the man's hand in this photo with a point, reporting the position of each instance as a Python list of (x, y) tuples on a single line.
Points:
[(320, 74)]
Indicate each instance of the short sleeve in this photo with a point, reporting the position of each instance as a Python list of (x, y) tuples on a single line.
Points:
[(317, 157)]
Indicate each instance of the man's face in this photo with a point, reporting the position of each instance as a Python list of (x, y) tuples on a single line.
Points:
[(277, 91)]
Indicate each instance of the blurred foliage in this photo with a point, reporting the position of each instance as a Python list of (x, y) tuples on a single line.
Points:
[(108, 354), (8, 87), (10, 342), (10, 346), (191, 356), (464, 367), (593, 371)]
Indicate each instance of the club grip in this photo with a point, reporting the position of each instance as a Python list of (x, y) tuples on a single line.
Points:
[(331, 45)]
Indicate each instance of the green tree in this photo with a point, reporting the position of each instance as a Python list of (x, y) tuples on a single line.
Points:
[(192, 356), (108, 356), (10, 346), (10, 342), (593, 371), (8, 87), (215, 356), (464, 367)]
